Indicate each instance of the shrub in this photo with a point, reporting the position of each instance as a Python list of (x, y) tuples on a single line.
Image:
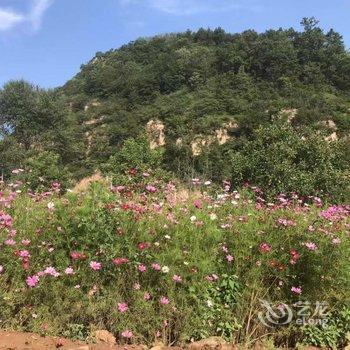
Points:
[(41, 169), (281, 160)]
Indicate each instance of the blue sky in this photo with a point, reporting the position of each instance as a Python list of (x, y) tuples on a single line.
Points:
[(46, 41)]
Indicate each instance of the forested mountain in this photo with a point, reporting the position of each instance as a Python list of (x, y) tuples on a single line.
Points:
[(218, 105)]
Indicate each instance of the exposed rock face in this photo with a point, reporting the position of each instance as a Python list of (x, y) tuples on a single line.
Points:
[(89, 142), (199, 143), (103, 336), (93, 103), (155, 129), (332, 137), (84, 184), (221, 136), (330, 124), (94, 121), (179, 142)]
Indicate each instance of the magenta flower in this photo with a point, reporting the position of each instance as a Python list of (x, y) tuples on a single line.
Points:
[(311, 245), (164, 300), (151, 189), (265, 247), (177, 278), (296, 290), (1, 269), (197, 203), (69, 271), (120, 261), (95, 265), (127, 334), (156, 267), (10, 242), (123, 307), (51, 271), (142, 268), (24, 254), (229, 258), (32, 281)]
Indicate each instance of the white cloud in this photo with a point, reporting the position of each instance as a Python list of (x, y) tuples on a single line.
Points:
[(10, 18), (37, 12), (188, 7)]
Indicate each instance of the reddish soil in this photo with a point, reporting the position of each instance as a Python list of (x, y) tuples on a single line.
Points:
[(29, 341)]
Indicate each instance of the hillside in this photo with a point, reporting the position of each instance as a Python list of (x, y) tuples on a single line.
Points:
[(201, 96)]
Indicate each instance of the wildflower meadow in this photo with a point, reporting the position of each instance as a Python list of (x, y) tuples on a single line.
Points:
[(157, 261)]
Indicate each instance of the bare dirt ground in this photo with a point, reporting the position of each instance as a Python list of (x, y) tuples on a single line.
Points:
[(29, 341)]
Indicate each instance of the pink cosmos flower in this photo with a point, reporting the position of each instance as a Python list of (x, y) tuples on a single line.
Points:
[(10, 242), (95, 265), (120, 261), (25, 242), (143, 245), (12, 233), (197, 203), (32, 281), (265, 247), (177, 278), (69, 271), (123, 307), (164, 300), (142, 268), (147, 296), (311, 245), (151, 188), (1, 269), (336, 241), (212, 277), (127, 334), (296, 290), (286, 222), (77, 256), (156, 267), (51, 271), (229, 258), (24, 254)]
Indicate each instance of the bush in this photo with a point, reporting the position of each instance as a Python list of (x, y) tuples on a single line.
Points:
[(135, 162), (279, 159), (41, 169)]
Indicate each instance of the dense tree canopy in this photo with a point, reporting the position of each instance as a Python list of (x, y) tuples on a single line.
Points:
[(195, 83)]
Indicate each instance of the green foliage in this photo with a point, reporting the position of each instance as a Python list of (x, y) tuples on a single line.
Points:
[(280, 159), (41, 170), (133, 161), (334, 335)]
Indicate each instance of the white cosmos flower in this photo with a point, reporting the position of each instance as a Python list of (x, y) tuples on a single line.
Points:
[(165, 269), (209, 303), (213, 216)]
